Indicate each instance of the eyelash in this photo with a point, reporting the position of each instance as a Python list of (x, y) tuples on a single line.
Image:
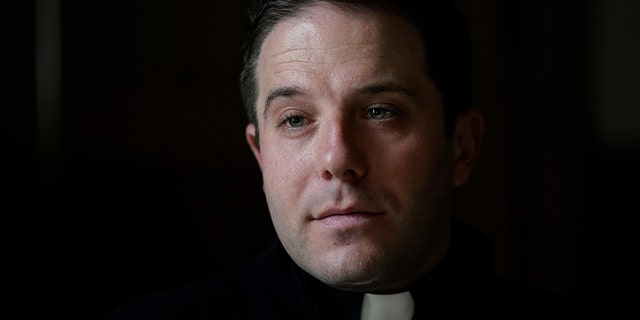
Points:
[(288, 117), (388, 111)]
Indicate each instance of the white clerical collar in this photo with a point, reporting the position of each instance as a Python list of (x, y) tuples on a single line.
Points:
[(387, 306)]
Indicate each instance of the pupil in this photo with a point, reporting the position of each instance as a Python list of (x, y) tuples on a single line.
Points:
[(294, 121)]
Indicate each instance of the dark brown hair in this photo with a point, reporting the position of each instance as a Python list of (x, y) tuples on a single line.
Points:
[(441, 24)]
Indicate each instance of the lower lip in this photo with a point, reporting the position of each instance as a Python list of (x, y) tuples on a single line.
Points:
[(347, 221)]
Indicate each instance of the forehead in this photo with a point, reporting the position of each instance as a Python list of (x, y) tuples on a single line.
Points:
[(325, 26), (326, 41)]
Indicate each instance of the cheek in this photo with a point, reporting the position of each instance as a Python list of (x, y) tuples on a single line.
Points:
[(284, 181), (284, 175), (278, 187), (415, 166)]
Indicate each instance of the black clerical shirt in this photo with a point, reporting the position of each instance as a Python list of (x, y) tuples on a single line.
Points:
[(274, 287)]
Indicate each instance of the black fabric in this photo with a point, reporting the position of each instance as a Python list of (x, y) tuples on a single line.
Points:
[(274, 287)]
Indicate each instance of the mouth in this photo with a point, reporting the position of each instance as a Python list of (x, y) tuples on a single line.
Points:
[(346, 219)]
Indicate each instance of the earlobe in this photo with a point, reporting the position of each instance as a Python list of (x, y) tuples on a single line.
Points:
[(252, 140), (466, 143)]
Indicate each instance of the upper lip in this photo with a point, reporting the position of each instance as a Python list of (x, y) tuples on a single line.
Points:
[(352, 210)]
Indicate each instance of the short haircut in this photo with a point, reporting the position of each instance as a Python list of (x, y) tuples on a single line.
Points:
[(441, 25)]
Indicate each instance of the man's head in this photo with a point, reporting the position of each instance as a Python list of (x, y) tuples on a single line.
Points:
[(440, 24), (357, 160)]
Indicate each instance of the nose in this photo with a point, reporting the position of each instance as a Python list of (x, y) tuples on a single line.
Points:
[(341, 152)]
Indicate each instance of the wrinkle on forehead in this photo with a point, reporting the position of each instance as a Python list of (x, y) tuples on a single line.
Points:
[(293, 60), (331, 45), (307, 51), (307, 33), (294, 55)]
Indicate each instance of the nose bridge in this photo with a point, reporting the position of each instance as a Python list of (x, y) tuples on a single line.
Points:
[(340, 154)]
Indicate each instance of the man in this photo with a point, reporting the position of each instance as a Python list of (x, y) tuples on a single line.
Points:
[(349, 131), (362, 125)]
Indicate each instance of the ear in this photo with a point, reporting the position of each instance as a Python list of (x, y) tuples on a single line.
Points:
[(466, 143), (252, 140)]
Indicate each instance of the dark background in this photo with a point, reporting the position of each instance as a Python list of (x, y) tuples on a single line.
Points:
[(125, 171)]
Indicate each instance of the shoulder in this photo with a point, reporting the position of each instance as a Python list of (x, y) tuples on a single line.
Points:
[(262, 289), (526, 302), (215, 299), (470, 287)]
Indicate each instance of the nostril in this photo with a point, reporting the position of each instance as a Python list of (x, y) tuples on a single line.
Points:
[(350, 173), (339, 154), (346, 174)]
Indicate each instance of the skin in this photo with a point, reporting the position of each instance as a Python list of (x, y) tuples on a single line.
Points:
[(356, 167)]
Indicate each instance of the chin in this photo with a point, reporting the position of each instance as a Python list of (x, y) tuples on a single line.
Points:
[(354, 281), (352, 271)]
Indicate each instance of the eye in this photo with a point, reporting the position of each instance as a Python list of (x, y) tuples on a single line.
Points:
[(379, 113), (293, 121)]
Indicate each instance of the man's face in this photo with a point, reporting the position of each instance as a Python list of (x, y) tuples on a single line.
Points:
[(357, 170)]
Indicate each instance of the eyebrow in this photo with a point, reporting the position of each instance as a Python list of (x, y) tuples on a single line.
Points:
[(385, 87), (283, 92), (370, 90)]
